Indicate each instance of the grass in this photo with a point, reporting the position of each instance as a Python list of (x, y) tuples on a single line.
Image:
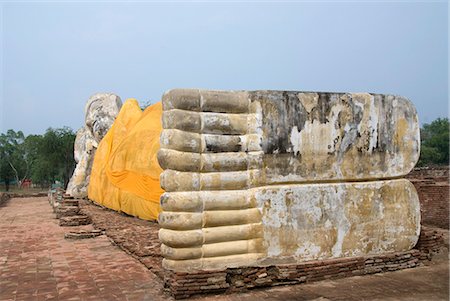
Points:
[(15, 189)]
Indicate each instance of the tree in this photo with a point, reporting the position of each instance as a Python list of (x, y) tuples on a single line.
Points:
[(54, 158), (13, 156), (43, 158), (67, 139), (6, 173), (435, 143)]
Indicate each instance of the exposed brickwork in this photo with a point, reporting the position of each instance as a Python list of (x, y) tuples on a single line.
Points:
[(83, 234), (135, 236), (70, 202), (27, 194), (432, 185), (183, 285), (67, 210), (63, 211), (4, 197), (434, 200), (437, 174), (430, 241), (76, 220)]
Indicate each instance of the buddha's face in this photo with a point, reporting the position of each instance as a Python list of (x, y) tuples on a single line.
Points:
[(101, 111)]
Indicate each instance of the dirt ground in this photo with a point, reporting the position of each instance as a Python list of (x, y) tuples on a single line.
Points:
[(38, 263)]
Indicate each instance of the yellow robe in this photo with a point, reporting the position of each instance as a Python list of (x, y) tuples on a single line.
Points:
[(125, 172)]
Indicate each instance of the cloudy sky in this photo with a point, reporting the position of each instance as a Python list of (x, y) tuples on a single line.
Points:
[(55, 55)]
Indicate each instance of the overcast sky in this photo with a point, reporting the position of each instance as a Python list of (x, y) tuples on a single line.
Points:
[(55, 55)]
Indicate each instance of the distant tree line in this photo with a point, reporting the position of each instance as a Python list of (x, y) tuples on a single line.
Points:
[(42, 158), (434, 143)]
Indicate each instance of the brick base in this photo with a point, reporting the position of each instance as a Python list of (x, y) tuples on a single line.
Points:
[(76, 220), (67, 210), (62, 211), (83, 234), (183, 285), (70, 202), (430, 241), (4, 197)]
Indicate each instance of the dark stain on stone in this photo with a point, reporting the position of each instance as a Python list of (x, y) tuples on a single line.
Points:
[(214, 145), (385, 130), (283, 111), (323, 108)]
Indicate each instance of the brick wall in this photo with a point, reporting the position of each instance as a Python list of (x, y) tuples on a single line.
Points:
[(433, 188), (434, 201)]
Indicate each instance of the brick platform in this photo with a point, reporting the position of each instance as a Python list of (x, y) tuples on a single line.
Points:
[(37, 263), (183, 285), (67, 210), (63, 211), (430, 241), (70, 202), (76, 220)]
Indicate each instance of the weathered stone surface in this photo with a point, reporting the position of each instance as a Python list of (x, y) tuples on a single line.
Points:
[(84, 151), (100, 112), (323, 136), (317, 221), (295, 223), (268, 177), (305, 137)]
